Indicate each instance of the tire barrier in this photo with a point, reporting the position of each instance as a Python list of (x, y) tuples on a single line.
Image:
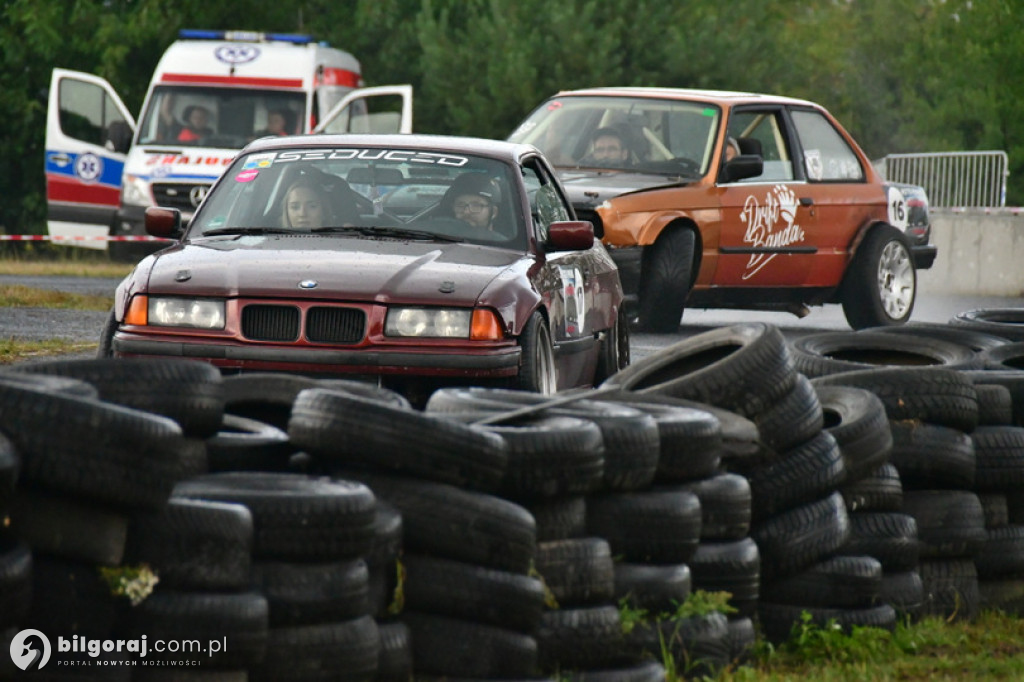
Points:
[(329, 530)]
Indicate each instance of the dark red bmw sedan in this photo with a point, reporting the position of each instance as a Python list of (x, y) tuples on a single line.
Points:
[(401, 259)]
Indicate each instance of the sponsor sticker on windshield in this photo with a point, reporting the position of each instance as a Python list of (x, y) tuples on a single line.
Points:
[(393, 155), (247, 175), (259, 161)]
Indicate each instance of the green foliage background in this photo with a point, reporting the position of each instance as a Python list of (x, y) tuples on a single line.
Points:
[(901, 75)]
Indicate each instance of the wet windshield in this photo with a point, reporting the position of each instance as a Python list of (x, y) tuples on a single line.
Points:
[(367, 193), (219, 117), (670, 137)]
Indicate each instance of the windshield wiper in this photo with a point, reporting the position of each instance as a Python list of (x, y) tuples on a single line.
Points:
[(396, 232), (246, 231)]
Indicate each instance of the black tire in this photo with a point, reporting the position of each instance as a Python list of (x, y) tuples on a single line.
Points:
[(725, 506), (742, 640), (733, 567), (473, 593), (799, 538), (1002, 554), (650, 527), (15, 582), (804, 474), (394, 664), (824, 353), (537, 370), (648, 671), (1009, 357), (1005, 322), (995, 405), (448, 522), (346, 651), (904, 591), (881, 491), (951, 589), (615, 353), (630, 436), (657, 589), (856, 418), (239, 619), (890, 537), (930, 456), (577, 572), (777, 620), (880, 285), (188, 391), (106, 342), (699, 646), (243, 444), (1011, 380), (589, 637), (940, 396), (295, 517), (844, 582), (264, 396), (794, 420), (950, 523), (76, 600), (976, 340), (344, 430), (382, 559), (45, 382), (999, 457), (996, 508), (744, 367), (559, 518), (92, 450), (1006, 595), (460, 648), (312, 593), (63, 527), (666, 274), (194, 544)]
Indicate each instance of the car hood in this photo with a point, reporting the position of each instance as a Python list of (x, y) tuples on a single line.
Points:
[(589, 188), (356, 269)]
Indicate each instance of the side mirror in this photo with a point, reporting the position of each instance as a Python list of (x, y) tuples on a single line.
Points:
[(742, 166), (570, 235), (119, 137), (163, 222)]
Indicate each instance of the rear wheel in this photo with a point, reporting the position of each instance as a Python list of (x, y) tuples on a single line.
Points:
[(666, 270), (537, 370), (614, 349), (881, 284)]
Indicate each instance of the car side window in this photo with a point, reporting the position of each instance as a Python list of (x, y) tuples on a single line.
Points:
[(547, 205), (761, 132), (827, 156)]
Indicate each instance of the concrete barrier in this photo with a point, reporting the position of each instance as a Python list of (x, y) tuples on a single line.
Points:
[(981, 253)]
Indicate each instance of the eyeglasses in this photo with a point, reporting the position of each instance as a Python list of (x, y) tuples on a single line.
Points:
[(610, 149), (470, 207)]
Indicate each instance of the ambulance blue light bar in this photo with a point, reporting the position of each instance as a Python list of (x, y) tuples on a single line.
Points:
[(243, 36)]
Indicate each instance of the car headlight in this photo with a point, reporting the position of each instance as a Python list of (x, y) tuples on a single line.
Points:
[(186, 312), (135, 191), (449, 323)]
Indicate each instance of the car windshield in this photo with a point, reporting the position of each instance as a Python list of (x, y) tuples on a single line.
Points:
[(662, 136), (365, 192), (227, 118)]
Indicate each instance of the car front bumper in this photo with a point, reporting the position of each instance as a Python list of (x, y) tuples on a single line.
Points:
[(501, 361)]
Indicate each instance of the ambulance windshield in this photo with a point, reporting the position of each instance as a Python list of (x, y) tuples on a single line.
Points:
[(227, 118)]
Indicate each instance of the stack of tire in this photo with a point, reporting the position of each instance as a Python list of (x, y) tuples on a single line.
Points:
[(94, 451), (464, 594), (800, 522), (569, 465), (932, 410)]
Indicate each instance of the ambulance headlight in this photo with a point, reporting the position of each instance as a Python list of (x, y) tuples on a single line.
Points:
[(136, 192)]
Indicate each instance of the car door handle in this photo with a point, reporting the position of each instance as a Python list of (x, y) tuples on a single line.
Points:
[(806, 201)]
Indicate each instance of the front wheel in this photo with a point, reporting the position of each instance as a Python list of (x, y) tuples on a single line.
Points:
[(665, 273), (881, 283), (537, 370), (106, 347), (614, 349)]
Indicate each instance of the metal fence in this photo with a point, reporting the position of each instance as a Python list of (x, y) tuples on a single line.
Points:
[(954, 179)]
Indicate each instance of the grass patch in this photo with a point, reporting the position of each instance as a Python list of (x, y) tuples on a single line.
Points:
[(13, 350), (932, 650), (18, 296), (69, 268)]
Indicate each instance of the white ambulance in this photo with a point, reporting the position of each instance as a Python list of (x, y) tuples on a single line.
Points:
[(212, 93)]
